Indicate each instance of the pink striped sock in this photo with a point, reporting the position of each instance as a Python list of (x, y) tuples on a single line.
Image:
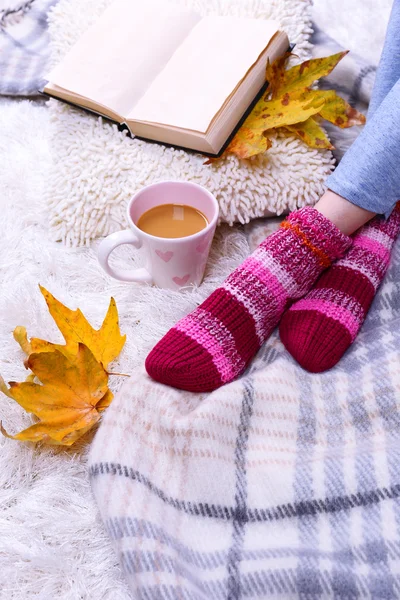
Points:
[(318, 329), (216, 342)]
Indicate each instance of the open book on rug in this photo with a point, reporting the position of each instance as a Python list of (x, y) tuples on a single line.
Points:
[(169, 74)]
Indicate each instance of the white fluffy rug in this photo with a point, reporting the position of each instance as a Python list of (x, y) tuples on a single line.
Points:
[(52, 544), (97, 168)]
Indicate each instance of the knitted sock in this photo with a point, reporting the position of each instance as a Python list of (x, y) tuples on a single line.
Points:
[(318, 329), (215, 343)]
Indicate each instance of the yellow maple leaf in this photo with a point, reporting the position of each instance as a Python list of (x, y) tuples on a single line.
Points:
[(300, 76), (250, 139), (73, 383), (311, 133), (66, 402), (292, 106), (338, 111), (21, 337), (105, 401), (106, 343), (248, 143), (285, 111)]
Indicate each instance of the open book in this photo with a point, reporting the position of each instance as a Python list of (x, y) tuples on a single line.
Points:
[(167, 73)]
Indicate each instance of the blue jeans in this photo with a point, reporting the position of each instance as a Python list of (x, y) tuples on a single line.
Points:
[(369, 173)]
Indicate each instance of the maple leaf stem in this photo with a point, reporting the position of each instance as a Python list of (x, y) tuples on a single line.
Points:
[(119, 374), (4, 388)]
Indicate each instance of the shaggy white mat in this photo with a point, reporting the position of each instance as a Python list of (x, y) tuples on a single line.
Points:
[(97, 169), (52, 544)]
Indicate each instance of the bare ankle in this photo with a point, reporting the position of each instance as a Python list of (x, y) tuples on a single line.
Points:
[(346, 216)]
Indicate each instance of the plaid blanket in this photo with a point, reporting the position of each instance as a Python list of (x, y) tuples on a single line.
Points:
[(24, 46), (283, 484)]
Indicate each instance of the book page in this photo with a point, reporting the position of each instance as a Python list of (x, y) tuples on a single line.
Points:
[(116, 60), (204, 71)]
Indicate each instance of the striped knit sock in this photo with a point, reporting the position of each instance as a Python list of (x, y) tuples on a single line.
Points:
[(318, 329), (216, 342)]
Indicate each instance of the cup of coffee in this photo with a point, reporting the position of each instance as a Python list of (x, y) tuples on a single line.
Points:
[(174, 222)]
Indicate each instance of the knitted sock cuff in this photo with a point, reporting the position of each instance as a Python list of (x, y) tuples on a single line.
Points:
[(319, 234)]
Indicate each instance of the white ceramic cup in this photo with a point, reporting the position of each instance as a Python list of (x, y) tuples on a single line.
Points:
[(171, 263)]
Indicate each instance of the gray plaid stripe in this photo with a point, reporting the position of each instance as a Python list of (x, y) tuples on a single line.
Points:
[(125, 527), (382, 580), (235, 553), (304, 508), (165, 592), (131, 527), (365, 474), (335, 484), (355, 92), (281, 583), (308, 576), (134, 562)]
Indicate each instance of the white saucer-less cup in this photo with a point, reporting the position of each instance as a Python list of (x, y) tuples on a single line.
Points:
[(171, 263)]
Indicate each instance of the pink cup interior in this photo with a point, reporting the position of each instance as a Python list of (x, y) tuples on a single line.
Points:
[(173, 192)]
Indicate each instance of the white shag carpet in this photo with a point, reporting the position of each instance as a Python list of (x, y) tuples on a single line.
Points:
[(52, 544), (97, 168)]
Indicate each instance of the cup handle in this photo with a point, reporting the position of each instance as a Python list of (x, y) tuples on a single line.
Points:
[(109, 244)]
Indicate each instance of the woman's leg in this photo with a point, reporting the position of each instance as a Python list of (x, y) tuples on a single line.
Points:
[(369, 174), (388, 72), (318, 329), (350, 200)]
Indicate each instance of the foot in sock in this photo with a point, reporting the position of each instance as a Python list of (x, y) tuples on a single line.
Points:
[(319, 328), (214, 344)]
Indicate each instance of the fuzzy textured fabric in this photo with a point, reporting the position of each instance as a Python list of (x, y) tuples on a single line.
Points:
[(97, 168), (318, 329), (52, 542), (323, 437), (214, 344)]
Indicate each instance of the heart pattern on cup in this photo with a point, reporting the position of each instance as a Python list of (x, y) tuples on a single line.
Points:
[(165, 256), (181, 280), (202, 247)]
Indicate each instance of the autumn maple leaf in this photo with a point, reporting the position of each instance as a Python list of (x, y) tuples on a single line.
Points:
[(66, 400), (292, 105), (67, 388)]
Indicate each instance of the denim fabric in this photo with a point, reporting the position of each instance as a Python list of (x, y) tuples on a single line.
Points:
[(369, 173)]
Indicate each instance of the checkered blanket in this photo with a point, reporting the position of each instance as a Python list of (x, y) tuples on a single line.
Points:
[(24, 46), (283, 484)]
